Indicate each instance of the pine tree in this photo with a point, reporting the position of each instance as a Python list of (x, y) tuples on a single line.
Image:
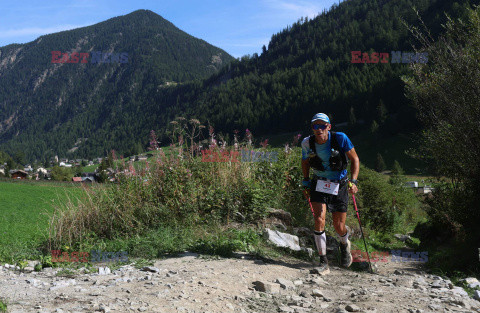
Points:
[(380, 163), (397, 169)]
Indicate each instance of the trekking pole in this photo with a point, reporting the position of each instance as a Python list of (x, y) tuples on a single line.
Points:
[(308, 199), (361, 230)]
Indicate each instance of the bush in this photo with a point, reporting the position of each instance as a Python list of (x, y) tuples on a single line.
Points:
[(382, 205), (176, 189)]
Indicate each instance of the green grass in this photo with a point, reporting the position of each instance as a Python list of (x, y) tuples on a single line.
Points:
[(24, 214), (3, 306)]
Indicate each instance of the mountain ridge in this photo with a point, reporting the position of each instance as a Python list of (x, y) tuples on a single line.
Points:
[(33, 90)]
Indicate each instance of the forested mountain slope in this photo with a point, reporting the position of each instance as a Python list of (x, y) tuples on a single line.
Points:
[(47, 108), (306, 68)]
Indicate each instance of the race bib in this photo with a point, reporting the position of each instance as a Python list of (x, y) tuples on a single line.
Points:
[(327, 187)]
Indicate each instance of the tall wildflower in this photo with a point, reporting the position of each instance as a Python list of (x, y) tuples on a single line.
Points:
[(296, 139), (131, 169), (213, 141), (153, 141), (235, 139), (249, 136), (264, 143)]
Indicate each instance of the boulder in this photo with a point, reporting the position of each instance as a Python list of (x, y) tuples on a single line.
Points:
[(284, 216), (282, 239)]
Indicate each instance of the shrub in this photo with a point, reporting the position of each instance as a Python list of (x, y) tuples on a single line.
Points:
[(382, 204)]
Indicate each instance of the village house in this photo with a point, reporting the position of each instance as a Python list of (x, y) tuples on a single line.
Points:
[(18, 174), (89, 179)]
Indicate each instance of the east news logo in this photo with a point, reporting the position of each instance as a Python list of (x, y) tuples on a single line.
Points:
[(383, 57), (82, 57)]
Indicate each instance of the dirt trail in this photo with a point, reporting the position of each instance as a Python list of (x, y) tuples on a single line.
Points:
[(190, 283)]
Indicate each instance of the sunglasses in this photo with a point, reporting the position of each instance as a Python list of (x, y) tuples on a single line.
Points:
[(319, 126)]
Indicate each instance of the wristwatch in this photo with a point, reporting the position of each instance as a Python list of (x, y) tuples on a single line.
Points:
[(354, 181)]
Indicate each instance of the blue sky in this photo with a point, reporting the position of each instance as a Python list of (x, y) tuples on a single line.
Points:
[(238, 27)]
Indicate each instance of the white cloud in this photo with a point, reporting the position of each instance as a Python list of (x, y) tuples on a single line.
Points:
[(296, 8), (36, 31)]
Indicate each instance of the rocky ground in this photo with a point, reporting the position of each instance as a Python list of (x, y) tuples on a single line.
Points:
[(191, 283)]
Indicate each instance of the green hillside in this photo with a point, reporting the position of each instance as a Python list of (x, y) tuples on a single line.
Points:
[(48, 108)]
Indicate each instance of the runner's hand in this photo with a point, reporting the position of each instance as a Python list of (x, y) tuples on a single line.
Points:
[(306, 184), (352, 188)]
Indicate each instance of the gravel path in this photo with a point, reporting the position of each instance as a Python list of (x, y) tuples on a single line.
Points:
[(190, 283)]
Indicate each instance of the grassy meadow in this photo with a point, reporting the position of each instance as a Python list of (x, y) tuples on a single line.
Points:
[(25, 208)]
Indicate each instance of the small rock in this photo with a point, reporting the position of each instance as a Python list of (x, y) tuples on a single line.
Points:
[(317, 293), (298, 282), (470, 280), (420, 280), (476, 295), (287, 309), (352, 308), (104, 270), (459, 291), (28, 269), (402, 237), (33, 281), (474, 285), (143, 309), (435, 307), (103, 308), (38, 307), (316, 271), (267, 287), (285, 284), (436, 284), (62, 284), (304, 294), (319, 281), (152, 269)]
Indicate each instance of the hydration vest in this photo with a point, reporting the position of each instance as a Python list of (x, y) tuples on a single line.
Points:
[(338, 160)]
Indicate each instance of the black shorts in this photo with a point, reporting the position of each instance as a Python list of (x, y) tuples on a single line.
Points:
[(338, 203)]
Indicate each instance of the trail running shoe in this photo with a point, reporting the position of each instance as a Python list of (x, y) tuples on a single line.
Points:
[(346, 255), (322, 267)]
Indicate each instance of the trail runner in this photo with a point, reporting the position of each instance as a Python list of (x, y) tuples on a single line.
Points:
[(329, 186)]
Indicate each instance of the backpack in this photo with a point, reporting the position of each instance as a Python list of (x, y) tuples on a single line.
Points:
[(338, 160)]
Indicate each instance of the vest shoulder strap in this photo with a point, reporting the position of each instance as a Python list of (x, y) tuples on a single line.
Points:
[(311, 142), (334, 142)]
